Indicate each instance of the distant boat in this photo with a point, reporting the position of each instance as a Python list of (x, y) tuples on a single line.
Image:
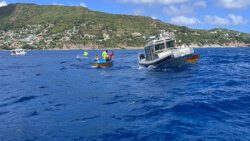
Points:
[(161, 52), (82, 57), (102, 63), (18, 52)]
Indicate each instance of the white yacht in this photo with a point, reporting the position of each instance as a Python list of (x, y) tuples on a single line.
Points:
[(18, 52), (162, 52)]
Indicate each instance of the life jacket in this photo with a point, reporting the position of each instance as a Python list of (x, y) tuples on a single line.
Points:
[(86, 53), (110, 56), (104, 55)]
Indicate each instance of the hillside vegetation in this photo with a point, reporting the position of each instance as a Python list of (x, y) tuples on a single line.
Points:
[(60, 27)]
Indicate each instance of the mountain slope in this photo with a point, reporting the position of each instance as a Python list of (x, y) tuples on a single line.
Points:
[(48, 27)]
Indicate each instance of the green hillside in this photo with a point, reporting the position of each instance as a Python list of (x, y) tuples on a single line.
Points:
[(48, 27)]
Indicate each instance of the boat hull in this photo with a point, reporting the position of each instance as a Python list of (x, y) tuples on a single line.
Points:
[(82, 57), (102, 64), (168, 61), (19, 54), (171, 58)]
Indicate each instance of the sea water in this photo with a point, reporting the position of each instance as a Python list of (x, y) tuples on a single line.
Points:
[(52, 96)]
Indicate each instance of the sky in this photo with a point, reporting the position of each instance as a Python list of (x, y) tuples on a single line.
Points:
[(197, 14)]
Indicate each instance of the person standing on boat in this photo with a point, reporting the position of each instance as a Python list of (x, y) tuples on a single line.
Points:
[(105, 55), (110, 56)]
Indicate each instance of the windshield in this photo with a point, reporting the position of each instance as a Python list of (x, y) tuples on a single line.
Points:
[(170, 44), (159, 47)]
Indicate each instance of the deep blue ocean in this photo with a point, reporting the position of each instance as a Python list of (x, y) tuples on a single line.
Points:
[(52, 96)]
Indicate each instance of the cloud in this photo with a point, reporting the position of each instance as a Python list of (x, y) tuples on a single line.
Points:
[(154, 17), (183, 20), (82, 4), (216, 20), (173, 10), (138, 11), (165, 2), (229, 20), (237, 20), (200, 4), (54, 3), (234, 4), (3, 3)]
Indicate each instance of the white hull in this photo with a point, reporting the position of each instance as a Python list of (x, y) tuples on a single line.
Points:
[(82, 57), (19, 54), (168, 58)]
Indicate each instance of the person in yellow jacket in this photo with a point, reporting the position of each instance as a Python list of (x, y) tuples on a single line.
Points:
[(85, 53), (105, 54)]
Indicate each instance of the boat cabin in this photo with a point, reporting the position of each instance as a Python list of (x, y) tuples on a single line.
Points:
[(157, 46), (17, 51)]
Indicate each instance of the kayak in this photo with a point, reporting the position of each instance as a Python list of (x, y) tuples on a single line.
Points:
[(102, 64), (82, 57)]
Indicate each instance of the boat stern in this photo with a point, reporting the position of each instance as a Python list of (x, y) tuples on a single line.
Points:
[(181, 52)]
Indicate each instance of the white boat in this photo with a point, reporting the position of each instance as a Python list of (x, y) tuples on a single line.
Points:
[(162, 52), (82, 57), (17, 52)]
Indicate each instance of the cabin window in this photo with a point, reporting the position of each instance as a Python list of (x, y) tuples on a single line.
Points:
[(159, 47), (170, 44)]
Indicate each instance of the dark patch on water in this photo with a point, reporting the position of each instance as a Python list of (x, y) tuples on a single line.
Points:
[(108, 77), (43, 87), (140, 79), (22, 81), (46, 94), (63, 62), (85, 118), (93, 82), (3, 113), (20, 100), (50, 109), (232, 83), (38, 74), (24, 99), (63, 68), (60, 105), (5, 75), (35, 113)]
